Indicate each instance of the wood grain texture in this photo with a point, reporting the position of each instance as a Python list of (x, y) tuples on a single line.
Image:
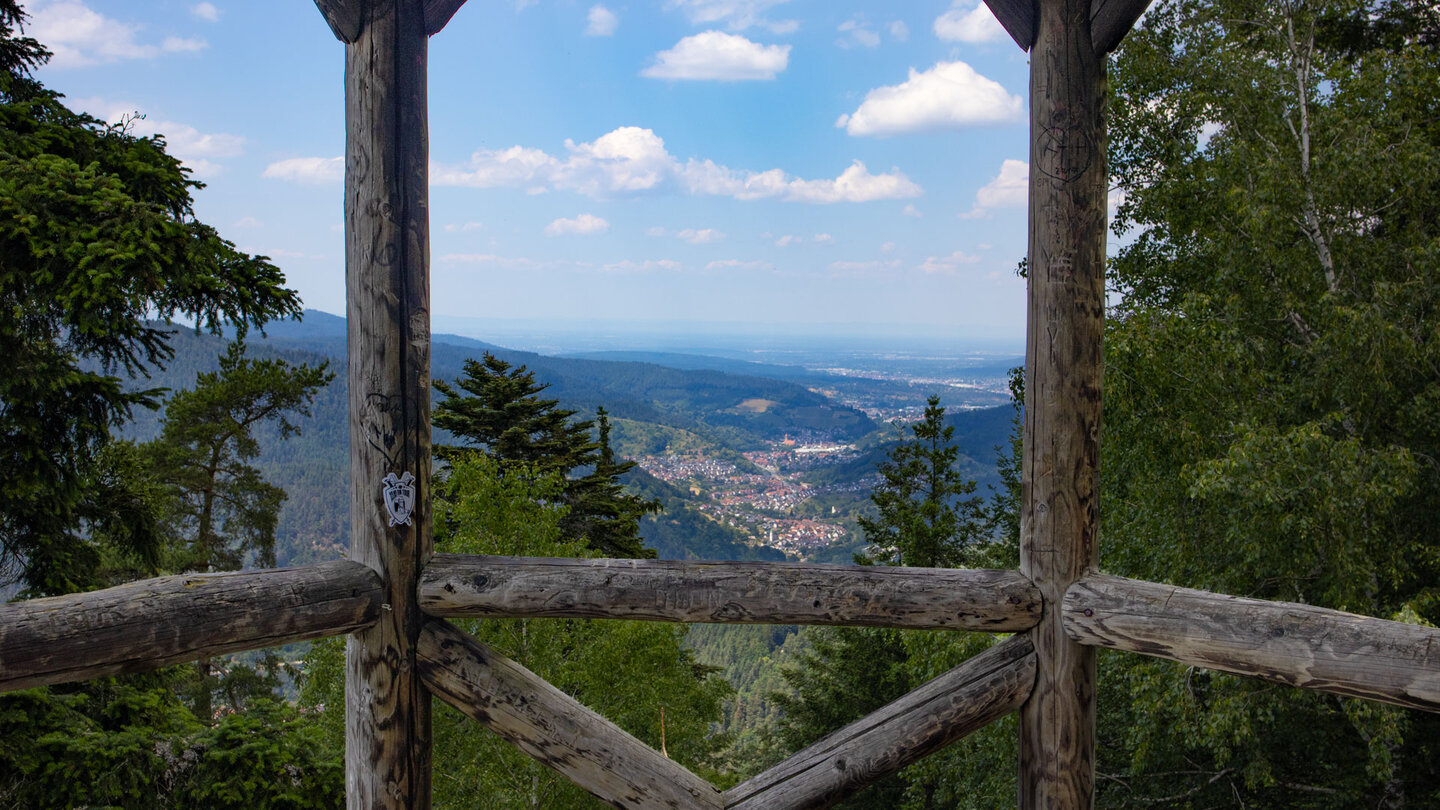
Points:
[(343, 17), (729, 592), (1018, 19), (1060, 499), (438, 13), (1299, 645), (552, 727), (1111, 20), (943, 710), (170, 620), (387, 758)]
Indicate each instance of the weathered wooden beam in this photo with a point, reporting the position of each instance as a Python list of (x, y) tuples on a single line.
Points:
[(729, 592), (1018, 19), (552, 727), (170, 620), (438, 13), (343, 16), (983, 689), (387, 266), (1059, 522), (1111, 20), (1299, 645)]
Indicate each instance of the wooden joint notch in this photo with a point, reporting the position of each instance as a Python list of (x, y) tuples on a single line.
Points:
[(963, 700), (171, 620), (1298, 645), (346, 18), (728, 592), (1110, 20)]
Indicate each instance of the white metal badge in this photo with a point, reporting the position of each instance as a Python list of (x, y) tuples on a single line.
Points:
[(399, 497)]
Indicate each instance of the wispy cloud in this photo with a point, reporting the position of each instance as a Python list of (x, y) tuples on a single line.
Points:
[(737, 15), (307, 170), (702, 236), (206, 11), (585, 224), (718, 56), (948, 265), (950, 95)]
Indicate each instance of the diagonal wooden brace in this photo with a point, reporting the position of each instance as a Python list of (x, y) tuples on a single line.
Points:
[(553, 727), (968, 697)]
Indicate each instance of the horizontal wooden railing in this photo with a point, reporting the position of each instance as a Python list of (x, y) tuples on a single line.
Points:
[(728, 592), (169, 620), (1299, 645)]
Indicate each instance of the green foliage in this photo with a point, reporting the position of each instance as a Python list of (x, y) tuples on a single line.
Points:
[(502, 415), (1271, 397), (129, 743), (96, 235)]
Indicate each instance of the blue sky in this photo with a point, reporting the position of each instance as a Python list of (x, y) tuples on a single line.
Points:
[(826, 164)]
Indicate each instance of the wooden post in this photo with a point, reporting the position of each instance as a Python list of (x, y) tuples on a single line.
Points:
[(1060, 513), (387, 726)]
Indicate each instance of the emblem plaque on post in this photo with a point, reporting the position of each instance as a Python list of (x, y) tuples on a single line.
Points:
[(399, 497)]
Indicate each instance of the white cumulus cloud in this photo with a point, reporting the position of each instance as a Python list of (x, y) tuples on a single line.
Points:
[(206, 11), (1009, 188), (968, 21), (718, 56), (602, 22), (950, 95), (583, 225), (79, 36), (824, 238), (632, 160), (307, 170)]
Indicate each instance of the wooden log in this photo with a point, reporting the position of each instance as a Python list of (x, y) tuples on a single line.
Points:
[(983, 689), (170, 620), (438, 13), (1018, 19), (1060, 471), (729, 592), (387, 262), (552, 727), (1299, 645), (1111, 20)]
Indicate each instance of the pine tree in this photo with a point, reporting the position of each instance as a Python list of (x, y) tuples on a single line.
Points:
[(928, 514), (97, 236), (223, 513), (502, 415)]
